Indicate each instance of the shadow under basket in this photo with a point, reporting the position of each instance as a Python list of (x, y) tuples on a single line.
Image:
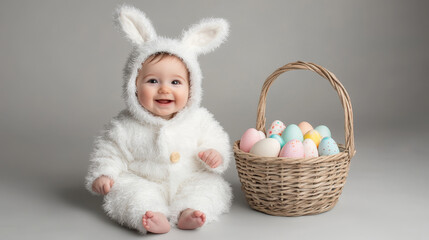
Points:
[(296, 186)]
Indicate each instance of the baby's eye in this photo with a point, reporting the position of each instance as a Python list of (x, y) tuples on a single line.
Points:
[(175, 82), (152, 80)]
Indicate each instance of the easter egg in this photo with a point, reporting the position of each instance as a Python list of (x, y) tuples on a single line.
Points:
[(261, 134), (305, 127), (293, 149), (313, 135), (249, 138), (267, 147), (291, 132), (324, 131), (328, 147), (277, 127), (278, 138), (310, 149)]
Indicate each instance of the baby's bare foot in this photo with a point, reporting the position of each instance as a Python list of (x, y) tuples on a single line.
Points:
[(155, 222), (191, 219)]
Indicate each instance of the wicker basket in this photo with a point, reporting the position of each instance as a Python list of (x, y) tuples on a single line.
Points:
[(295, 187)]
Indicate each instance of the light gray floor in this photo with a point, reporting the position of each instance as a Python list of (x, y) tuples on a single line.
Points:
[(385, 197)]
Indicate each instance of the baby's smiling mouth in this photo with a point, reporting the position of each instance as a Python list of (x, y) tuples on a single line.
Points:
[(164, 101)]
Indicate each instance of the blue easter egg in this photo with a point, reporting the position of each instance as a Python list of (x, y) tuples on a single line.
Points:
[(291, 132), (328, 147), (278, 138), (323, 130)]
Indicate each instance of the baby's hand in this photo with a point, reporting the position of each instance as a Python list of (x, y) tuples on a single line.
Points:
[(102, 185), (211, 157)]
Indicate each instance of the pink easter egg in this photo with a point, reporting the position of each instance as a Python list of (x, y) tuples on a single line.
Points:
[(249, 138), (310, 148), (305, 127), (277, 127), (292, 149), (261, 135)]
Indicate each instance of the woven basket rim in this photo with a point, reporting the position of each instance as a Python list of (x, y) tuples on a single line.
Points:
[(274, 160)]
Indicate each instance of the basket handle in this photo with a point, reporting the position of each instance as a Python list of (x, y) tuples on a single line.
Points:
[(342, 93)]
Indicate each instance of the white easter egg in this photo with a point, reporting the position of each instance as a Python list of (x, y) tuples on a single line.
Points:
[(267, 147), (310, 148), (277, 127)]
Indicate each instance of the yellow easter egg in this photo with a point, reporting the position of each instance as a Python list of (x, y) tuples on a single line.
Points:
[(313, 135)]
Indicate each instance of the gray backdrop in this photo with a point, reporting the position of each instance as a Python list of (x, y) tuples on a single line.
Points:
[(60, 75)]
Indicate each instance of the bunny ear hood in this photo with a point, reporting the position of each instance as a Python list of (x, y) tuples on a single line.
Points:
[(200, 38)]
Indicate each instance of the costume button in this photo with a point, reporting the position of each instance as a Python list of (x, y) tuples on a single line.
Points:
[(174, 157)]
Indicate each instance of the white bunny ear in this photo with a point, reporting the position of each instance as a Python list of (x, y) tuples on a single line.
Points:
[(207, 35), (136, 26)]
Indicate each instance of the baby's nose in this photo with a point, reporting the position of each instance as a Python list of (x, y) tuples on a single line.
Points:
[(164, 89)]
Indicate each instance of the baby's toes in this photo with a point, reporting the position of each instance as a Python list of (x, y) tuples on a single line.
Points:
[(145, 219), (200, 216), (197, 213), (149, 214)]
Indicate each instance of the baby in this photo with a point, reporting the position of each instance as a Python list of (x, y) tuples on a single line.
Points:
[(159, 162)]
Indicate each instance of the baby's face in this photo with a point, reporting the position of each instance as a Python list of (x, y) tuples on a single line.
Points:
[(163, 87)]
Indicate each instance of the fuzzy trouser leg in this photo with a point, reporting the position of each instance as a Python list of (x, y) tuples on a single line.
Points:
[(207, 192), (131, 196)]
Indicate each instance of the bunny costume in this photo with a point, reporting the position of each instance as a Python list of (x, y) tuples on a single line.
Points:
[(154, 162)]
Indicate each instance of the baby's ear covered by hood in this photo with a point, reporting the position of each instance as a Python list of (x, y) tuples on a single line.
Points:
[(206, 35), (134, 24)]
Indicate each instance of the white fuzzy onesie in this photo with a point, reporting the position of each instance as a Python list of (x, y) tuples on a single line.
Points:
[(136, 147)]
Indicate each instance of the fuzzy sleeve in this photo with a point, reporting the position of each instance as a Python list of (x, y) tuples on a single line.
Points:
[(109, 155), (212, 135)]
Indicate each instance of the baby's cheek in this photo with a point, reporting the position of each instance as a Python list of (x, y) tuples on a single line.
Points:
[(140, 99), (181, 102), (145, 97)]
